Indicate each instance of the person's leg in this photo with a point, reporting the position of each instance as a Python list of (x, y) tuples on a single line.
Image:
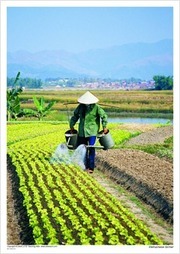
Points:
[(91, 154), (82, 140)]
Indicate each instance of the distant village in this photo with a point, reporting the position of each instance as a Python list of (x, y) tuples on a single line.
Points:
[(100, 84), (157, 83)]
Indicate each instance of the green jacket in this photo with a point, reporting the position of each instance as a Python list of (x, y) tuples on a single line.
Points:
[(89, 117)]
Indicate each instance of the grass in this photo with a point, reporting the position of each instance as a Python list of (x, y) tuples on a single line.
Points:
[(63, 115), (151, 102), (164, 150)]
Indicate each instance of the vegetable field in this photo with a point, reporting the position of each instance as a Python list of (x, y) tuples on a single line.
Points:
[(64, 204)]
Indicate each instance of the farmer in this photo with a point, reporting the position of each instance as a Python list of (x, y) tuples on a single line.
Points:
[(89, 115)]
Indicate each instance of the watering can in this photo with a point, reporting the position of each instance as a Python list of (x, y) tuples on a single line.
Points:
[(71, 139), (105, 140)]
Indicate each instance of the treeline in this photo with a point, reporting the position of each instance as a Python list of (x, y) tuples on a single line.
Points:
[(25, 82), (163, 83)]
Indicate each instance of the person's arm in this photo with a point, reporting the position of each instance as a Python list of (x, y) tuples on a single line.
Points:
[(104, 118), (74, 118)]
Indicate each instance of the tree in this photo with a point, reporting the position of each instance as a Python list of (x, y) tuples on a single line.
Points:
[(163, 83), (41, 109), (13, 101), (26, 82)]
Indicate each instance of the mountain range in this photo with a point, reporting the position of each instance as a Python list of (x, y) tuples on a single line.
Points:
[(138, 60)]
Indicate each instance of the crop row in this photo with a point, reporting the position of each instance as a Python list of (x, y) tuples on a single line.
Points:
[(67, 206), (24, 131)]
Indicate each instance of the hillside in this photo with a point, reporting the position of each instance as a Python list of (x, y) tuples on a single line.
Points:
[(138, 60)]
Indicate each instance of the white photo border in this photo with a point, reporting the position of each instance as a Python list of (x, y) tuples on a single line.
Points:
[(3, 79)]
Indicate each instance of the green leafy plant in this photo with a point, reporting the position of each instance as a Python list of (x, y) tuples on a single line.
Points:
[(66, 206), (13, 100), (41, 108)]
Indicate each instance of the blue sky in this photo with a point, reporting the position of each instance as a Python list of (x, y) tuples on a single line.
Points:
[(78, 29)]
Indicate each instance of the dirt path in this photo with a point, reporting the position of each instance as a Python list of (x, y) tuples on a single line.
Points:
[(155, 136), (13, 229), (145, 214)]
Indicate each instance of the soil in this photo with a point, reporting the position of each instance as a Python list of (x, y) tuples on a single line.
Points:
[(13, 228), (142, 211), (144, 175), (156, 136), (149, 177)]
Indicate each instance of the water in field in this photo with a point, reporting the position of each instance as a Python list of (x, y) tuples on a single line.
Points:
[(63, 155), (139, 120)]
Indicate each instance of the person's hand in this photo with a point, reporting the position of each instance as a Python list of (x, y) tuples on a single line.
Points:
[(72, 130), (105, 130)]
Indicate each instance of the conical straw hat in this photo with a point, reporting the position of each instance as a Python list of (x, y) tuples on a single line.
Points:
[(88, 98)]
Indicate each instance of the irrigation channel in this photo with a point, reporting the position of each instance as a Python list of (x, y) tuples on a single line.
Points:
[(139, 120)]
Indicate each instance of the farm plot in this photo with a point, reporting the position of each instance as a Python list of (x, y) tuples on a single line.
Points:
[(65, 205)]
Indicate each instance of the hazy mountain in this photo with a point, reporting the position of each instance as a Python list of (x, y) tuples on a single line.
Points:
[(138, 60)]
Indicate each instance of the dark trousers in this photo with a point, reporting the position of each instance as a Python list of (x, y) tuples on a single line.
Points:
[(90, 154)]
